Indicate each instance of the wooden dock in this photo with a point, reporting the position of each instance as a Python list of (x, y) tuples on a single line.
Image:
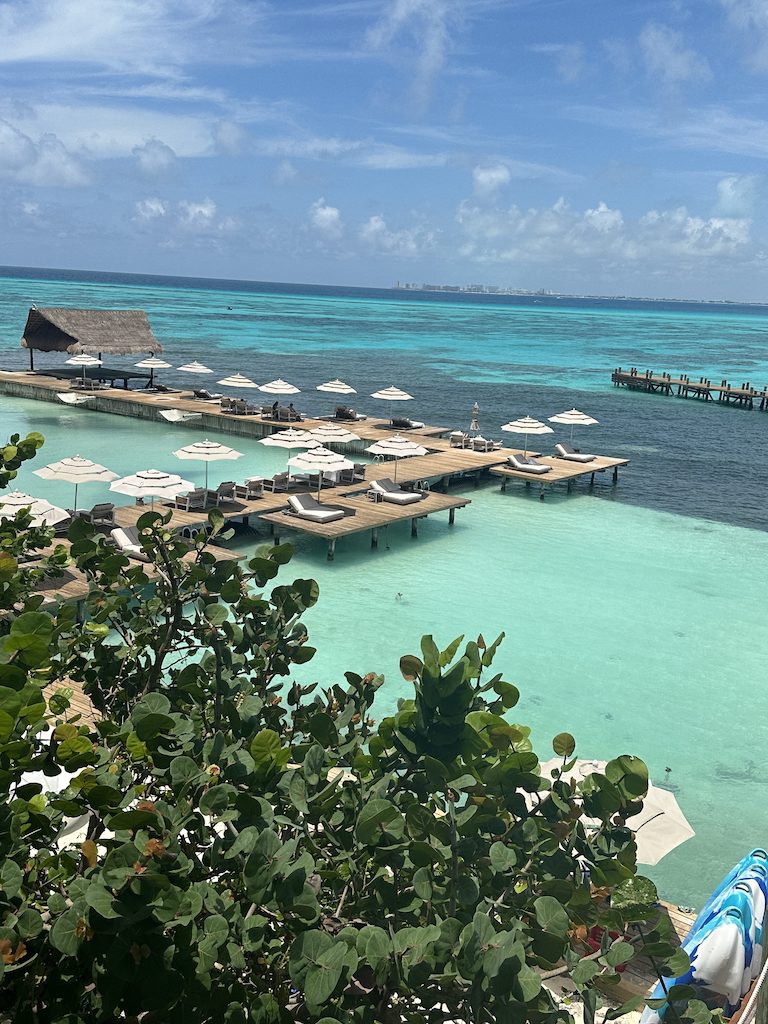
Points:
[(562, 471), (744, 395)]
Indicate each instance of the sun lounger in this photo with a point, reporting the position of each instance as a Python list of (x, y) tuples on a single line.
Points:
[(306, 507), (279, 482), (459, 439), (252, 488), (126, 540), (483, 444), (387, 490), (567, 451), (228, 405), (206, 396), (404, 423), (528, 465), (223, 495), (344, 412), (163, 389), (102, 514), (192, 499)]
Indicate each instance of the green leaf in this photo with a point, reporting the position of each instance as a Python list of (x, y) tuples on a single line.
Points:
[(551, 916), (29, 923), (314, 759), (503, 857), (376, 818), (619, 953), (634, 894), (563, 744), (678, 964), (323, 975), (411, 667), (11, 878), (68, 932), (323, 730), (265, 747), (100, 899), (629, 1007)]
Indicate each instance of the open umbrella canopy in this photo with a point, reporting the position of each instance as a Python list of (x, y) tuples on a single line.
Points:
[(207, 451), (279, 387), (320, 460), (392, 395), (396, 447), (573, 418), (84, 360), (152, 483), (290, 438), (195, 367), (659, 827), (43, 512), (152, 363), (527, 425), (76, 470), (237, 380), (336, 387), (333, 433)]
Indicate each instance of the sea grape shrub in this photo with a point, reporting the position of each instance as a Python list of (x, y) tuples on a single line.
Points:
[(231, 845)]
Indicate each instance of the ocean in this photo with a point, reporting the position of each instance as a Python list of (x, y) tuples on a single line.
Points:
[(635, 615)]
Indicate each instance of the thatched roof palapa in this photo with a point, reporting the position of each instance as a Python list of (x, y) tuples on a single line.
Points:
[(118, 332)]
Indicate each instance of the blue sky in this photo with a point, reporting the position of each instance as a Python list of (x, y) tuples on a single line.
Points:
[(578, 145)]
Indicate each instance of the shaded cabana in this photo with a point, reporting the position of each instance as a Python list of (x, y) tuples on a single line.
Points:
[(97, 332)]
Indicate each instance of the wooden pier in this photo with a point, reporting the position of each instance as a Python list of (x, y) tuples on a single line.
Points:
[(744, 395), (561, 471)]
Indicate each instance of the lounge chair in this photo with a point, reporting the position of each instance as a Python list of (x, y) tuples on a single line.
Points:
[(191, 500), (458, 439), (528, 465), (387, 490), (252, 488), (404, 423), (228, 405), (206, 396), (163, 389), (483, 444), (344, 412), (286, 415), (102, 514), (567, 451), (223, 495), (127, 541), (279, 482), (306, 507)]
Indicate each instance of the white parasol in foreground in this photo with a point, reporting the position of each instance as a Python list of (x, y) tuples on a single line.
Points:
[(43, 512), (152, 483), (574, 418), (397, 447), (333, 433), (85, 361), (527, 426), (658, 828), (207, 451), (278, 387), (152, 363), (237, 380), (77, 470), (336, 387), (195, 367), (320, 460)]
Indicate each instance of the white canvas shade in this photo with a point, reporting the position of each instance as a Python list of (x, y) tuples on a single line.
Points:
[(77, 470), (207, 451), (527, 426), (84, 360), (320, 460), (573, 418), (290, 438), (659, 827), (237, 380), (152, 363), (195, 367), (336, 387), (392, 395), (333, 433), (43, 512), (178, 416), (396, 447), (278, 387), (152, 483)]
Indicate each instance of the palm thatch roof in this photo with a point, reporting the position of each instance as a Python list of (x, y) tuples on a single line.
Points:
[(119, 332)]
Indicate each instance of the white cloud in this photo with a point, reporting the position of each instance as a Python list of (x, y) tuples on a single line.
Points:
[(427, 24), (285, 173), (751, 17), (228, 136), (736, 195), (568, 58), (325, 219), (154, 157), (43, 161), (367, 153), (406, 242), (668, 58), (150, 209), (488, 180), (197, 214)]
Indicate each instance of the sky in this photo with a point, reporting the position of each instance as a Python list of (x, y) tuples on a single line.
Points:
[(574, 145)]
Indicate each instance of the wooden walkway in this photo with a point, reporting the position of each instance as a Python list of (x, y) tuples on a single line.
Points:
[(744, 395), (562, 471)]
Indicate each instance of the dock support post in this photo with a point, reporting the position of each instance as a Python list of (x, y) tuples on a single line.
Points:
[(276, 540), (414, 527), (331, 548), (272, 529), (568, 487), (592, 480), (375, 537), (503, 483), (615, 474), (541, 492), (31, 358), (451, 516)]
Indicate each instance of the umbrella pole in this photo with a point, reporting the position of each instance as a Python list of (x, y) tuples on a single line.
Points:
[(74, 508), (206, 476), (319, 483)]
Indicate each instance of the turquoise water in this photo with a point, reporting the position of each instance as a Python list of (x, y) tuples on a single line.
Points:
[(635, 616)]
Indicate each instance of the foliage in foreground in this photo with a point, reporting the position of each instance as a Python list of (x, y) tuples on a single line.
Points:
[(253, 849)]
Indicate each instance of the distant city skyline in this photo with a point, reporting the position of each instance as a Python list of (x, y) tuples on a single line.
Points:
[(585, 148)]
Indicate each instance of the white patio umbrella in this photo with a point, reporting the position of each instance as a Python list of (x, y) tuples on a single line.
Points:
[(152, 483), (527, 426), (474, 424), (85, 361), (320, 460), (43, 512), (333, 433), (279, 387), (237, 380), (658, 828), (290, 439), (77, 470), (195, 367), (396, 447), (207, 451), (391, 395), (574, 418), (336, 387), (152, 363)]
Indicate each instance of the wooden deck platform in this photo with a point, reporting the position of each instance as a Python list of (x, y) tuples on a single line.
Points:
[(562, 471), (364, 515), (742, 395)]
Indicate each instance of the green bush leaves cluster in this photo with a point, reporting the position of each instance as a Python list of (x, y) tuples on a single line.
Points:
[(227, 845)]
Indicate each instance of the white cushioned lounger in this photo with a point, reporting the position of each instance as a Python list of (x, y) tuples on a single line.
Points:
[(528, 465), (127, 543), (389, 491), (305, 507), (567, 451)]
